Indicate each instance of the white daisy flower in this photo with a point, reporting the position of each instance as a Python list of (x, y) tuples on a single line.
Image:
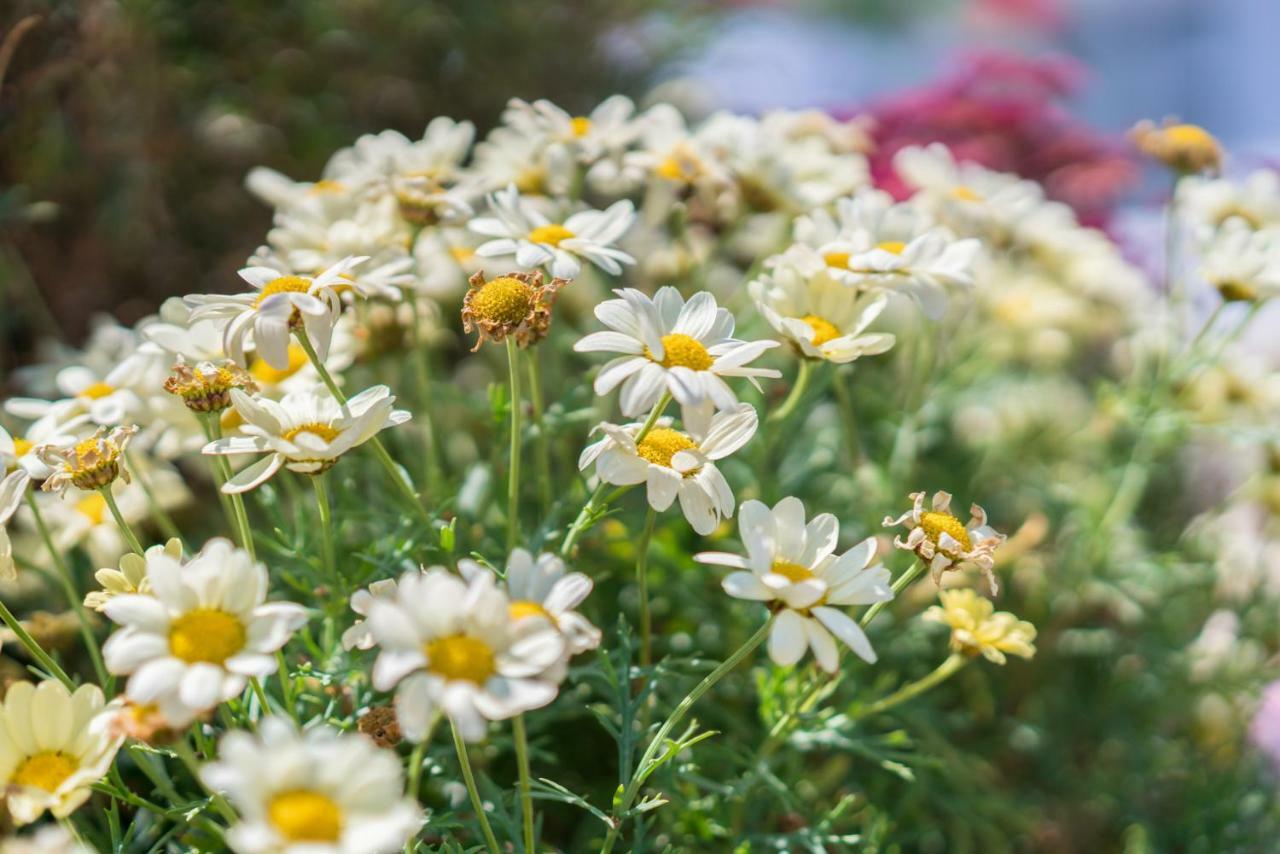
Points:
[(819, 317), (54, 745), (793, 566), (450, 647), (1241, 263), (966, 195), (1208, 203), (305, 431), (281, 304), (545, 589), (669, 345), (943, 542), (675, 464), (13, 489), (21, 451), (360, 635), (202, 633), (519, 229), (316, 792), (611, 126)]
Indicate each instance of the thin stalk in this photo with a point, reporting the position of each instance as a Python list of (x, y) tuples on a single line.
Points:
[(416, 757), (240, 516), (73, 597), (286, 685), (642, 770), (319, 481), (261, 694), (642, 582), (33, 648), (432, 469), (188, 758), (130, 537), (526, 794), (542, 443), (798, 389), (464, 760), (513, 469), (942, 673), (161, 516), (848, 417)]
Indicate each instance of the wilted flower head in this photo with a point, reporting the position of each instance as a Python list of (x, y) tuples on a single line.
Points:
[(978, 629), (206, 387), (516, 304), (90, 464), (944, 542), (1181, 147)]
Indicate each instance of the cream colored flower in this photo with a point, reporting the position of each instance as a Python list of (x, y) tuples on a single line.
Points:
[(131, 577), (978, 629), (820, 318), (944, 542), (359, 635), (54, 745), (90, 464)]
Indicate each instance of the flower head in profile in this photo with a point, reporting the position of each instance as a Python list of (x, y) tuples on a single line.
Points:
[(1182, 147), (516, 304), (943, 542), (131, 577), (676, 463), (822, 320), (669, 345), (54, 745), (544, 589), (792, 567), (518, 228), (206, 387), (1241, 263), (315, 792), (359, 635), (13, 489), (90, 464), (204, 630), (451, 647), (279, 304), (978, 629), (304, 431)]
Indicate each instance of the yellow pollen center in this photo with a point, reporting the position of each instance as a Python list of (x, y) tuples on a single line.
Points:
[(793, 572), (661, 444), (461, 657), (683, 351), (206, 635), (1189, 136), (936, 524), (21, 446), (320, 187), (839, 260), (965, 194), (266, 375), (86, 447), (97, 391), (462, 254), (894, 246), (93, 507), (552, 234), (580, 126), (283, 285), (522, 608), (324, 431), (505, 300), (823, 330), (44, 770), (302, 815)]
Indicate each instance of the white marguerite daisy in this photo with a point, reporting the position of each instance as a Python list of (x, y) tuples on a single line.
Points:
[(676, 464), (1241, 263), (54, 745), (305, 431), (792, 566), (359, 635), (543, 588), (519, 228), (315, 792), (1209, 203), (203, 631), (820, 318), (451, 647), (13, 489), (279, 304), (669, 345), (971, 198), (611, 126)]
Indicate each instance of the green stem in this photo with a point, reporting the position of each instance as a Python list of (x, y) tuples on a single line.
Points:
[(33, 648), (848, 417), (526, 795), (73, 597), (942, 673), (188, 758), (643, 769), (513, 469), (464, 760), (327, 550), (286, 685), (433, 470), (239, 516), (798, 388), (642, 582), (261, 694), (162, 518), (129, 536), (542, 444)]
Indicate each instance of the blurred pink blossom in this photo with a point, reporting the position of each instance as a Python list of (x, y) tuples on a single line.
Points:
[(1265, 730)]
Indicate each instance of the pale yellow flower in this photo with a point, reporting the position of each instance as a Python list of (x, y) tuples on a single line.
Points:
[(978, 629)]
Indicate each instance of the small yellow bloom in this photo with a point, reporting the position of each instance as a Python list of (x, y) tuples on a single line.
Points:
[(978, 629), (1182, 147)]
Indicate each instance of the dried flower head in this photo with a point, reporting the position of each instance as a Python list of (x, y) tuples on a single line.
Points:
[(89, 464), (978, 629), (145, 722), (206, 387), (516, 304), (1182, 147), (944, 542), (379, 723)]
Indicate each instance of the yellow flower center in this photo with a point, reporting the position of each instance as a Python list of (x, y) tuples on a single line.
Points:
[(894, 246), (206, 635), (505, 300), (21, 446), (267, 375), (93, 506), (44, 770), (461, 657), (552, 234), (793, 572), (678, 166), (324, 431), (936, 524), (302, 815), (1234, 291), (1189, 136), (682, 351), (823, 330), (86, 447), (326, 186), (661, 444), (965, 194), (97, 391), (522, 608), (580, 126), (839, 260), (283, 285), (462, 254)]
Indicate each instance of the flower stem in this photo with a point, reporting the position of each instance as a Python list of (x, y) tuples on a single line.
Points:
[(942, 673), (644, 768), (130, 537), (433, 471), (240, 516), (34, 648), (286, 685), (526, 796), (542, 444), (798, 389), (848, 417), (513, 470), (188, 757), (464, 760), (73, 598), (162, 518), (642, 582), (319, 481)]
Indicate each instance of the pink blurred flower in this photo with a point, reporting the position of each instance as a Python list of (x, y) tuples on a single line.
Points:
[(1265, 729)]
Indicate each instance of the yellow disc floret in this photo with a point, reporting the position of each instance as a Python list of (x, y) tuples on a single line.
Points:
[(522, 608), (552, 234), (21, 446), (97, 391), (206, 635), (302, 815), (839, 260), (93, 507), (661, 444), (505, 301), (936, 524), (683, 351), (893, 246), (823, 330), (44, 770), (461, 657), (965, 194), (580, 126), (325, 431), (793, 572), (283, 285)]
